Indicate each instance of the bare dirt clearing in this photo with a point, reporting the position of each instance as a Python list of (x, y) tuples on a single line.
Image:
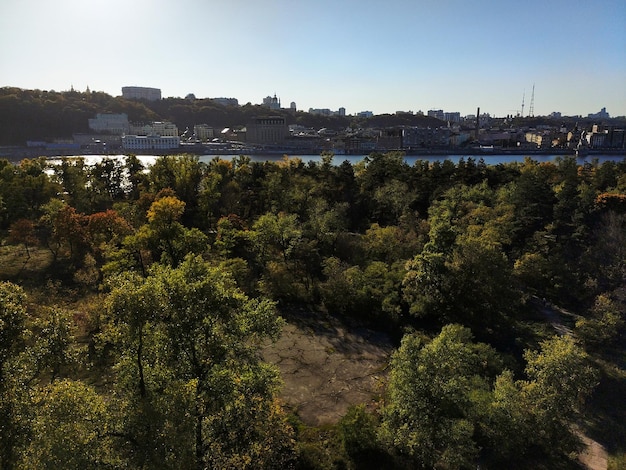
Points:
[(327, 366)]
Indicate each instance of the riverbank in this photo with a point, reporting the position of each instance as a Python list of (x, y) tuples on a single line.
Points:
[(17, 154)]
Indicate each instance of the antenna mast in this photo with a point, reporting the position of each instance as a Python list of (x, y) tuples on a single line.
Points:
[(531, 111), (523, 98)]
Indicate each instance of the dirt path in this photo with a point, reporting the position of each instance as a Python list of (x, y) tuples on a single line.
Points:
[(327, 366), (594, 456)]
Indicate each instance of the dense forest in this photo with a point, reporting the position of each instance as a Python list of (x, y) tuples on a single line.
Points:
[(134, 302)]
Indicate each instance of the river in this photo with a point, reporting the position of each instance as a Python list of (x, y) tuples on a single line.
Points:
[(490, 159)]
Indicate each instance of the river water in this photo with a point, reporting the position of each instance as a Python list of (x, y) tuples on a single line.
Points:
[(490, 159)]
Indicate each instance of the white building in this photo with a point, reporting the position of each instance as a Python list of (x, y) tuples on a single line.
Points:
[(452, 116), (271, 102), (150, 142), (116, 124), (141, 93), (203, 132), (436, 113), (155, 128)]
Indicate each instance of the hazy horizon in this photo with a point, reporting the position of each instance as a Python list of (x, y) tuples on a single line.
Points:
[(361, 55)]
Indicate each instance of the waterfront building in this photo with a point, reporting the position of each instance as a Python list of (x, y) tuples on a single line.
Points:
[(150, 142), (141, 93), (115, 124), (203, 132), (595, 140), (164, 128), (541, 139), (98, 141), (267, 130)]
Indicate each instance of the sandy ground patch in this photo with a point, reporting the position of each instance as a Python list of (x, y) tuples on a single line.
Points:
[(328, 366)]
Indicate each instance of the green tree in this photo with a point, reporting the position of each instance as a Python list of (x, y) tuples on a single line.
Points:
[(203, 334), (25, 188), (106, 183), (432, 387), (287, 258), (603, 325), (563, 377), (72, 175), (164, 235), (533, 199), (70, 429), (12, 335), (358, 432), (183, 175)]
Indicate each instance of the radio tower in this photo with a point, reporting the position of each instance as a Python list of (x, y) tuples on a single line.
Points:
[(523, 97), (531, 111)]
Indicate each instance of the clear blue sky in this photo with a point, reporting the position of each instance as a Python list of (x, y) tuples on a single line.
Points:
[(383, 56)]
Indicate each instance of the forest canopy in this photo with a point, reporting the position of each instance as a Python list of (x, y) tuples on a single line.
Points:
[(134, 302)]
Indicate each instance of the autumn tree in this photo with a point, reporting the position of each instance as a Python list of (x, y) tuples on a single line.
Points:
[(23, 232), (163, 236)]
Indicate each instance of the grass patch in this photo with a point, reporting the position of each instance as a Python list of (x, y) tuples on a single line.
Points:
[(15, 262)]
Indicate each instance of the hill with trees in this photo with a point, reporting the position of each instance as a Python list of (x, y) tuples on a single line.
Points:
[(47, 115), (135, 302)]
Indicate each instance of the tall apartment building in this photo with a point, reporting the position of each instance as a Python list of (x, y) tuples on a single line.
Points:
[(436, 113), (452, 117), (141, 93)]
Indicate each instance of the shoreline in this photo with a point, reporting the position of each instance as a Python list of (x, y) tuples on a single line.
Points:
[(16, 154)]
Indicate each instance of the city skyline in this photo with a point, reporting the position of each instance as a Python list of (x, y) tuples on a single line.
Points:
[(397, 56)]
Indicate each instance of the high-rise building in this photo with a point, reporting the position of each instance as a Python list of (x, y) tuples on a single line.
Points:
[(436, 113), (452, 117)]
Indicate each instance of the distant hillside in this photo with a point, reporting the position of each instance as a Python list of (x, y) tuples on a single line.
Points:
[(47, 115)]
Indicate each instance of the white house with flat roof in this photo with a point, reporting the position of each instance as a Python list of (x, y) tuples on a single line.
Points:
[(150, 142)]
